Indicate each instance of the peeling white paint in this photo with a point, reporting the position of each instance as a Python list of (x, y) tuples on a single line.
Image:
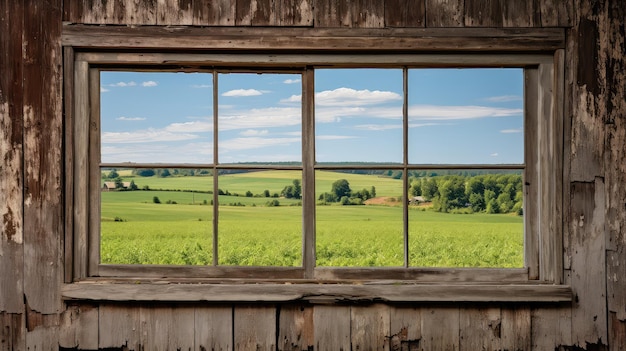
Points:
[(10, 190)]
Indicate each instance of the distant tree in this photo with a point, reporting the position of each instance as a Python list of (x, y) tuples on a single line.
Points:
[(293, 191), (164, 173), (373, 192), (429, 188), (146, 172), (113, 174), (249, 193), (133, 186), (341, 188), (266, 193), (156, 200), (118, 183)]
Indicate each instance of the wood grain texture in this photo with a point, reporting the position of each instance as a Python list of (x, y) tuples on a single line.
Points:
[(12, 332), (440, 328), (254, 328), (405, 13), (370, 327), (556, 13), (332, 13), (175, 12), (214, 328), (11, 154), (405, 328), (119, 326), (480, 328), (332, 327), (79, 327), (515, 328), (295, 328), (551, 328), (43, 133), (445, 13), (167, 327)]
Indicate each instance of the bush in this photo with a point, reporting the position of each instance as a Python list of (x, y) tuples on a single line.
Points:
[(272, 203), (156, 200)]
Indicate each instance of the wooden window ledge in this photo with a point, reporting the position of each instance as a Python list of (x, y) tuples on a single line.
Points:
[(314, 293)]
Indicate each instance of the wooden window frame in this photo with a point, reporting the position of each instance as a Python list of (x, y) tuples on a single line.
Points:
[(542, 60)]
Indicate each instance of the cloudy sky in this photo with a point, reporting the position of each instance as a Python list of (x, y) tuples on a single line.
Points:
[(456, 116)]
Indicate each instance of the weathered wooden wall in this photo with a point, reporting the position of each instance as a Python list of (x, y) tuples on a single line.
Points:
[(33, 317)]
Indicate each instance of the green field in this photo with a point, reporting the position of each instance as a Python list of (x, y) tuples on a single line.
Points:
[(135, 230)]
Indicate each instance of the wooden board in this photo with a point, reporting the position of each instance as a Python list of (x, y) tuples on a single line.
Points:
[(405, 328), (295, 328), (445, 13), (515, 328), (119, 326), (332, 327), (405, 13), (254, 328), (11, 151), (480, 328), (370, 327), (79, 327), (167, 327), (214, 328), (440, 328)]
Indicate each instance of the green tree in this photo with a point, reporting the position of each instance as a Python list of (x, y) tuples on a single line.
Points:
[(249, 193), (113, 174), (133, 186), (266, 193), (341, 188), (164, 173), (373, 192), (429, 188), (156, 200), (118, 183)]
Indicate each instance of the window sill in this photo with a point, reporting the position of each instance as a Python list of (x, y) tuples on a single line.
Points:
[(98, 290)]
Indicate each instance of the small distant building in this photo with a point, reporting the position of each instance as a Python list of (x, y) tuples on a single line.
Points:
[(107, 186), (416, 200)]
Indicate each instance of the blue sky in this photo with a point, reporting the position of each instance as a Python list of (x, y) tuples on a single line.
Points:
[(456, 116)]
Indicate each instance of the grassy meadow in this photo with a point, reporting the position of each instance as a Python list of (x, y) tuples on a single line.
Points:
[(179, 229)]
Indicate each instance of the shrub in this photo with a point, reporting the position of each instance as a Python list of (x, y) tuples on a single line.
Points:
[(156, 200)]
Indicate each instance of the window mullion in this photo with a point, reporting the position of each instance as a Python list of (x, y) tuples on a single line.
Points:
[(215, 173), (308, 172), (405, 161)]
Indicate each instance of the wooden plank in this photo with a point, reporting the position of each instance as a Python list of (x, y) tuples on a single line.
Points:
[(406, 328), (370, 327), (79, 327), (254, 328), (556, 13), (81, 170), (322, 293), (68, 104), (405, 13), (295, 328), (531, 173), (529, 40), (617, 333), (295, 12), (119, 327), (43, 133), (44, 337), (440, 328), (480, 328), (214, 13), (93, 193), (487, 13), (256, 13), (214, 328), (11, 151), (368, 13), (445, 13), (515, 328), (72, 11), (332, 13), (174, 12), (141, 12), (588, 262), (518, 14), (551, 327), (332, 327), (167, 327), (12, 332), (308, 172)]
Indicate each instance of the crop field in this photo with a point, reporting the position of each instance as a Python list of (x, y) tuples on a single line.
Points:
[(179, 229)]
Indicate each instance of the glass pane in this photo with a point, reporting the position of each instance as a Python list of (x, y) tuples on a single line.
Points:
[(150, 217), (260, 118), (358, 219), (260, 218), (358, 115), (466, 219), (465, 116), (163, 117)]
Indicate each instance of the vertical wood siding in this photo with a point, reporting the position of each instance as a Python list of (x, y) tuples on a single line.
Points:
[(32, 315)]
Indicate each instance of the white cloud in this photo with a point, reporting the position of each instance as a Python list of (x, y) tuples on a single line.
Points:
[(255, 143), (123, 84), (149, 83), (144, 136), (122, 118), (190, 127), (504, 98), (254, 132), (349, 97), (193, 152), (495, 154), (291, 81), (243, 92), (261, 118), (334, 137), (378, 127), (202, 86), (104, 90), (511, 131), (435, 112)]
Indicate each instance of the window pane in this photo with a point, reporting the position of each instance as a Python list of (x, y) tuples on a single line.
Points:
[(260, 218), (358, 219), (466, 219), (358, 115), (163, 117), (156, 217), (464, 116), (260, 118)]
